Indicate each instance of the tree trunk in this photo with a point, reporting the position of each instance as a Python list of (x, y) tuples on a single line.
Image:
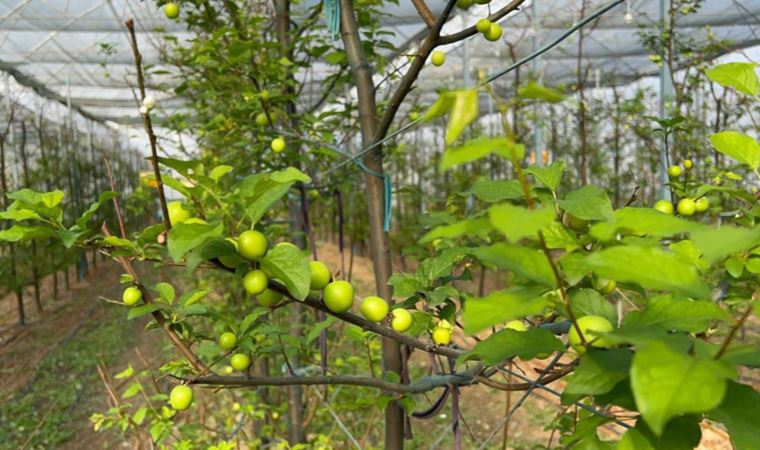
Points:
[(379, 245), (28, 184)]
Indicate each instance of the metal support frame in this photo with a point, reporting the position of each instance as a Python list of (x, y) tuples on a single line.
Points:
[(664, 94)]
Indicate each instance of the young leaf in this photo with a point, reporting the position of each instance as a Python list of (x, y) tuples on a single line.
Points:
[(717, 243), (667, 384), (501, 306), (463, 111), (479, 148), (681, 433), (523, 261), (588, 302), (496, 190), (588, 203), (139, 311), (642, 221), (739, 146), (677, 314), (536, 91), (738, 75), (550, 176), (165, 291), (516, 222), (650, 267), (476, 227)]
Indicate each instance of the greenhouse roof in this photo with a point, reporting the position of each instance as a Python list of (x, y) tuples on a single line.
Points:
[(79, 49)]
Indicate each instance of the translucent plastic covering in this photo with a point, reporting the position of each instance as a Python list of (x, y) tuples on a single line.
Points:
[(78, 51)]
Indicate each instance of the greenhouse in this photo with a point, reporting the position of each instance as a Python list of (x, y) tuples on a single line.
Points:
[(366, 224)]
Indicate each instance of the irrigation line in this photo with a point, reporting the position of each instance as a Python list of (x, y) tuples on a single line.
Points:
[(490, 79)]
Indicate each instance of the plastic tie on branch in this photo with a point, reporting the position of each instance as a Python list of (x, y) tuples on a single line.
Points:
[(332, 17)]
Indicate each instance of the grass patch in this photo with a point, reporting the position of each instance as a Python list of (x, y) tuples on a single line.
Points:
[(49, 408)]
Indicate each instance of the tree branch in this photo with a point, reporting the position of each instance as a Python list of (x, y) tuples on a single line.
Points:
[(405, 86), (471, 31), (425, 12), (130, 24)]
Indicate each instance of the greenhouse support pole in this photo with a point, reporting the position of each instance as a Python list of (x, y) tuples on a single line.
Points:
[(665, 91), (538, 129)]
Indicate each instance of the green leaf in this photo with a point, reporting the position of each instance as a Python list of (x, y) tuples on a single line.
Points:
[(18, 233), (516, 222), (677, 314), (219, 171), (194, 310), (529, 263), (87, 215), (598, 373), (739, 146), (682, 433), (588, 302), (191, 297), (492, 191), (261, 191), (478, 227), (510, 343), (19, 215), (557, 236), (536, 91), (126, 373), (184, 237), (139, 311), (317, 328), (406, 285), (550, 176), (289, 265), (140, 414), (501, 306), (132, 390), (587, 203), (438, 266), (68, 237), (478, 148), (650, 267), (667, 384), (717, 243), (738, 75), (442, 105), (464, 111), (642, 221), (165, 291), (740, 413)]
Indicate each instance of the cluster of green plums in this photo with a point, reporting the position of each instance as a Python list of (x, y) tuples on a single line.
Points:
[(685, 206)]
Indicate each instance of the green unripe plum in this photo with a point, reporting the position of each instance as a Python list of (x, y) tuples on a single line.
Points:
[(240, 362), (414, 115), (171, 10), (181, 397), (131, 296), (287, 244), (269, 298), (438, 58), (441, 336), (445, 324), (483, 25), (339, 296), (401, 320), (177, 212), (228, 340), (255, 282), (265, 95), (482, 2), (320, 275), (605, 286), (494, 32), (261, 119), (688, 164), (464, 4), (674, 171), (702, 204), (516, 325), (278, 145), (589, 325), (686, 207), (252, 245), (664, 207), (374, 309)]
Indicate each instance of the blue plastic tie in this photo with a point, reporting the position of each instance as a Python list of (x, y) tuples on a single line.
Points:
[(332, 17), (388, 206)]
